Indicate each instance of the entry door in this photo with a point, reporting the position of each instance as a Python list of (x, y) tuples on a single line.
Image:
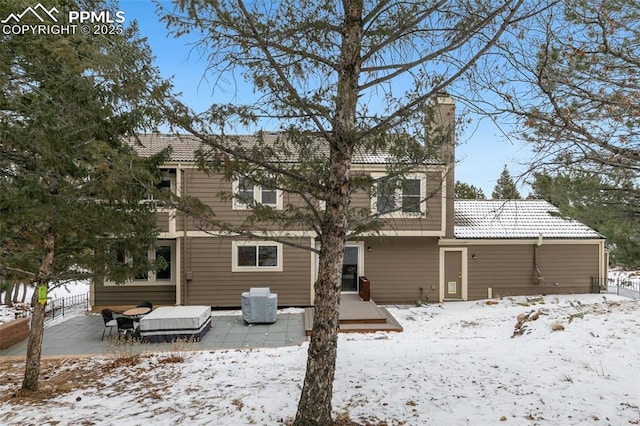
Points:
[(350, 269), (453, 275)]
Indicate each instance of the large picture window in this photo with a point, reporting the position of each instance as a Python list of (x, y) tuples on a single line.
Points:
[(399, 197), (253, 256), (248, 193)]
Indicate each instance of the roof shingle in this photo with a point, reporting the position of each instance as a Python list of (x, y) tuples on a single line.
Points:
[(184, 148)]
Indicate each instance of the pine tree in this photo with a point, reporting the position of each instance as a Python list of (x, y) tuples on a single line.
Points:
[(505, 188), (465, 191), (573, 88), (601, 202), (360, 76), (71, 188)]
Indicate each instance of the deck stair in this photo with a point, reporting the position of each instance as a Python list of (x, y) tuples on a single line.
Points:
[(358, 316)]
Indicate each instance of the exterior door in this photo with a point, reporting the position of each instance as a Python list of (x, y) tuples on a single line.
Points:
[(350, 269), (453, 275)]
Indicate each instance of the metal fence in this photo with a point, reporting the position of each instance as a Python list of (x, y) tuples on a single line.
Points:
[(620, 286), (57, 307)]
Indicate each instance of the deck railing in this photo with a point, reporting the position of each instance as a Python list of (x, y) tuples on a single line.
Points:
[(56, 307)]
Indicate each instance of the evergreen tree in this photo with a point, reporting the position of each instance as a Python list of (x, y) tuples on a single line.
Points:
[(71, 189), (505, 188), (600, 202), (340, 79), (464, 191), (576, 90)]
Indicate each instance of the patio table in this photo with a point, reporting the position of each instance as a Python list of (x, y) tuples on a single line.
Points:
[(136, 313)]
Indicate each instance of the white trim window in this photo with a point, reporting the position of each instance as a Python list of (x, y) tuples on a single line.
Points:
[(248, 193), (165, 249), (396, 197), (167, 182), (252, 256)]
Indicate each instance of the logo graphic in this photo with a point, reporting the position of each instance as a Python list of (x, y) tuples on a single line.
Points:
[(38, 19), (34, 11)]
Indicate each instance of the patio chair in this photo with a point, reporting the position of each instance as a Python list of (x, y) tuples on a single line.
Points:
[(109, 321), (145, 304), (125, 325)]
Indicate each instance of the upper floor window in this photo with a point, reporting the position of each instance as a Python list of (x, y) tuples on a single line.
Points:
[(247, 194), (399, 197), (167, 183)]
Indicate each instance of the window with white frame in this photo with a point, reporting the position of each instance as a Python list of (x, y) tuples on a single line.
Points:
[(248, 193), (164, 275), (167, 183), (394, 196), (163, 250), (256, 256)]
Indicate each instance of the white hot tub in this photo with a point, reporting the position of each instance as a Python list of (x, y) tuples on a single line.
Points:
[(170, 323)]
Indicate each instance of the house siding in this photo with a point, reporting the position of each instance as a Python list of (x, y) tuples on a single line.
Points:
[(162, 221), (402, 269), (213, 283), (120, 295), (431, 221), (206, 188), (509, 269)]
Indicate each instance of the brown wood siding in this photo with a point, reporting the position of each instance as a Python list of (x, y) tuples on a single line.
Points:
[(431, 222), (509, 269), (213, 283), (402, 269), (132, 295), (207, 188), (162, 221)]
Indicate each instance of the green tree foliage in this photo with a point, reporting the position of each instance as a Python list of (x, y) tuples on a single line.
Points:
[(505, 188), (601, 203), (577, 99), (71, 189), (465, 191), (339, 79)]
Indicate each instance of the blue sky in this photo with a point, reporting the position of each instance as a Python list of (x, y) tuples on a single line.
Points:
[(482, 152)]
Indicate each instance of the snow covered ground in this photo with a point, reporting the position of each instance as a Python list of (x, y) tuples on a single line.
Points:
[(578, 363), (65, 290)]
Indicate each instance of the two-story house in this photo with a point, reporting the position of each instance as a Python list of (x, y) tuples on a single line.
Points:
[(452, 250)]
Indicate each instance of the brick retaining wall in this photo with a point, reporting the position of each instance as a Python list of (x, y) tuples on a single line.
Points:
[(13, 332)]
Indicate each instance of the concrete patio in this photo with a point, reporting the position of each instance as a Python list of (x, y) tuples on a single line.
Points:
[(80, 335)]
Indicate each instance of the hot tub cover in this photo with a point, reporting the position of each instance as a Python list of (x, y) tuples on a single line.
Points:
[(170, 323)]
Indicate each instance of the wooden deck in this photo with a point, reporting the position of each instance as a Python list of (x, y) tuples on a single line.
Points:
[(357, 316)]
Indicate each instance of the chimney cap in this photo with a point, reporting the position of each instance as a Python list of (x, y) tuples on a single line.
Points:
[(444, 98)]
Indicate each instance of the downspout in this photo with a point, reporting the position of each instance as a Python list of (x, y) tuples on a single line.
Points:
[(538, 278), (185, 275)]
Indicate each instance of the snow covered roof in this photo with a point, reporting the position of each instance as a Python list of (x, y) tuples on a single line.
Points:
[(184, 148), (509, 219)]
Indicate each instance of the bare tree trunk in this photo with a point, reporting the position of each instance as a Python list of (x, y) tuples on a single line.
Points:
[(15, 289), (34, 346), (314, 407), (8, 295), (25, 287)]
